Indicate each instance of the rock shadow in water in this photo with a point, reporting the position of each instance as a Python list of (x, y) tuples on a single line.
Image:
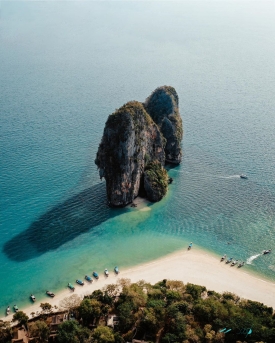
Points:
[(62, 223)]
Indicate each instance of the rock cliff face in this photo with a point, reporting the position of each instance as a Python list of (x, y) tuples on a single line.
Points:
[(130, 141), (162, 106), (135, 146)]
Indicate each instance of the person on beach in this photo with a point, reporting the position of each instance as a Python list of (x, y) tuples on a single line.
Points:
[(190, 246)]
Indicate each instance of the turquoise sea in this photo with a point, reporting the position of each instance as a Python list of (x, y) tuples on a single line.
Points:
[(64, 67)]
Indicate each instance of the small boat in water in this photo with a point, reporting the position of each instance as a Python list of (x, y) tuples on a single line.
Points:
[(71, 286), (16, 309), (95, 275), (223, 257), (79, 282), (32, 297), (229, 260), (116, 270), (88, 278), (8, 310), (106, 272), (266, 251), (234, 263), (240, 264), (243, 176), (51, 294)]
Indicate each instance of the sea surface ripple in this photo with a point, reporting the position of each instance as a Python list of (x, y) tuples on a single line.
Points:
[(65, 66)]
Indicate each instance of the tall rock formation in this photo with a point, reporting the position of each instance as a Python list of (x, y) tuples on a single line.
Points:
[(135, 146), (162, 106), (130, 141)]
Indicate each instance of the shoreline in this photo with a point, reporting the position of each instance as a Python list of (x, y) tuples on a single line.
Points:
[(194, 266)]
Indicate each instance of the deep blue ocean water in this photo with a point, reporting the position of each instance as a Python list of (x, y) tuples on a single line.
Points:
[(64, 67)]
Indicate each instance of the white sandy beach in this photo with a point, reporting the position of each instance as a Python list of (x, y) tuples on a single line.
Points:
[(194, 266)]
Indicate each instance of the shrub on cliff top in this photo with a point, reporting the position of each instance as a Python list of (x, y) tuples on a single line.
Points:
[(132, 108)]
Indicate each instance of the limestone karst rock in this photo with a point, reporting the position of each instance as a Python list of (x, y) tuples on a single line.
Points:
[(130, 140), (135, 146), (162, 106)]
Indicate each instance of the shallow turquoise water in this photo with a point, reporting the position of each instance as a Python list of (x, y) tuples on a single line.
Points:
[(64, 68)]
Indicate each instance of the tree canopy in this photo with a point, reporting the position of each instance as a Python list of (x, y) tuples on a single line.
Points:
[(103, 334), (40, 330), (71, 332), (166, 312), (21, 317)]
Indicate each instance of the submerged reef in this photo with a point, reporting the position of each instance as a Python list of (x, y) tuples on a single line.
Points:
[(137, 141)]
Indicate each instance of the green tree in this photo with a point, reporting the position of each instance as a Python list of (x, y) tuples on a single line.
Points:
[(89, 310), (230, 296), (169, 338), (133, 294), (21, 317), (118, 338), (214, 295), (5, 332), (155, 293), (210, 309), (172, 296), (71, 332), (152, 318), (256, 308), (149, 322), (125, 314), (176, 308), (103, 296), (103, 334), (40, 331), (175, 325), (195, 290)]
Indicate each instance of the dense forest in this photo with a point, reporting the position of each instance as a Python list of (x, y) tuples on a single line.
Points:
[(167, 312)]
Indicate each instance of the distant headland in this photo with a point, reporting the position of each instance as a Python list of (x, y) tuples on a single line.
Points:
[(138, 139)]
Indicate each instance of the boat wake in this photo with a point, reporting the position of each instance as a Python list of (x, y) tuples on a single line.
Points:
[(250, 259), (232, 177), (216, 176), (226, 177)]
